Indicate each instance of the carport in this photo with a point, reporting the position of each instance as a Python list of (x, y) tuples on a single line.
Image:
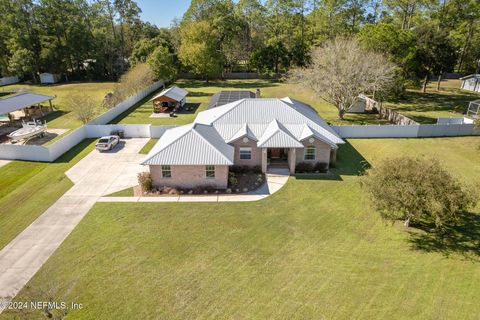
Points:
[(24, 105)]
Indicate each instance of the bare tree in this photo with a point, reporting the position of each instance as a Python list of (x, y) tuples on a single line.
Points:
[(342, 69), (83, 106)]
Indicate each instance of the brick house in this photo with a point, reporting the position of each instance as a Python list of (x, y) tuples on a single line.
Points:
[(261, 132)]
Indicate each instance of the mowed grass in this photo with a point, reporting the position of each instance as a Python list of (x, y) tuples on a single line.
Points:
[(200, 94), (62, 117), (148, 146), (450, 101), (27, 189), (314, 250)]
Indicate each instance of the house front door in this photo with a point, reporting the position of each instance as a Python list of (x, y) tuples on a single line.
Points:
[(275, 153)]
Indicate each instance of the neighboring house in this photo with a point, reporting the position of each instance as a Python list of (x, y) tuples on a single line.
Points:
[(224, 97), (471, 82), (49, 78), (169, 99), (266, 133)]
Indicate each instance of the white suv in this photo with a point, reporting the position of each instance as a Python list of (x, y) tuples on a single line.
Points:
[(107, 143)]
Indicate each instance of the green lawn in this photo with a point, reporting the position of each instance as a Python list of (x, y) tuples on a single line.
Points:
[(313, 250), (27, 189), (62, 118), (148, 146), (450, 101), (201, 92)]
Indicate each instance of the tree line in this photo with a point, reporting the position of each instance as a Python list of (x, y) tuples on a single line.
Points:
[(100, 39)]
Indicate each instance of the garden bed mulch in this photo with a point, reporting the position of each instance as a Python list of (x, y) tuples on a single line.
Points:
[(246, 182)]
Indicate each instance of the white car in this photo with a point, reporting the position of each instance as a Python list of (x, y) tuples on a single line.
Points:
[(107, 143)]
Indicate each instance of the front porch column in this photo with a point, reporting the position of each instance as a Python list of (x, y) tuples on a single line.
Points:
[(292, 157), (264, 160)]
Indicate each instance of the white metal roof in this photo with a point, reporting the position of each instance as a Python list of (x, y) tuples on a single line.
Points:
[(276, 136), (244, 131), (175, 93), (192, 144), (258, 114), (22, 100)]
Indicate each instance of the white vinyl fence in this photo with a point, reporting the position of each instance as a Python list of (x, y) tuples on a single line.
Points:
[(406, 131), (53, 151), (126, 104)]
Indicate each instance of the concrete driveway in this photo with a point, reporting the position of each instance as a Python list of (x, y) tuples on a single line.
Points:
[(95, 175)]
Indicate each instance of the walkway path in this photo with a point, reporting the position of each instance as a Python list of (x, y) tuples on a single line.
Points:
[(94, 176), (275, 180)]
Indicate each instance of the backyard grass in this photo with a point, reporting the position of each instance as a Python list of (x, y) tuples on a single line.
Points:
[(450, 101), (27, 189), (62, 118), (313, 250), (148, 146), (201, 92)]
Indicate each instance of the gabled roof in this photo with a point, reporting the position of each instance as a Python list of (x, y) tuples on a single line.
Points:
[(175, 93), (258, 113), (192, 144), (244, 131), (22, 100), (277, 136), (308, 132)]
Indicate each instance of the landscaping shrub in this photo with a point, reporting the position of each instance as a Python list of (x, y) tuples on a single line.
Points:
[(257, 169), (245, 169), (232, 179), (306, 167), (321, 167), (145, 181)]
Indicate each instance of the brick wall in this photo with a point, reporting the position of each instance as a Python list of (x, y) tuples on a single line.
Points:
[(190, 177)]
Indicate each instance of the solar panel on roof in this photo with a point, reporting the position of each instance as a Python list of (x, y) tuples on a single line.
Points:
[(224, 97)]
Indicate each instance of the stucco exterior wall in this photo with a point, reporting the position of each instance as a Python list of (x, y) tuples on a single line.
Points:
[(256, 153), (190, 177), (322, 152)]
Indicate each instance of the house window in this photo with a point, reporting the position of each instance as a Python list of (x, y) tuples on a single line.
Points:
[(210, 172), (310, 152), (166, 172), (245, 153)]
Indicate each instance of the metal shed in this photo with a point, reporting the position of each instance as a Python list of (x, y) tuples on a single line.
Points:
[(49, 78), (169, 99), (471, 82)]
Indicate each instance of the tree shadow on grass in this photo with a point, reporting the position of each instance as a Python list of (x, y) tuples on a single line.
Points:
[(199, 94), (349, 163), (189, 108), (53, 115), (462, 237), (444, 101)]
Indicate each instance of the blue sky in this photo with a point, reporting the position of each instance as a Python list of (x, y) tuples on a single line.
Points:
[(162, 12)]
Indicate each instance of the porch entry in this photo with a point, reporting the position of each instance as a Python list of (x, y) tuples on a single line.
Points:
[(277, 157)]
